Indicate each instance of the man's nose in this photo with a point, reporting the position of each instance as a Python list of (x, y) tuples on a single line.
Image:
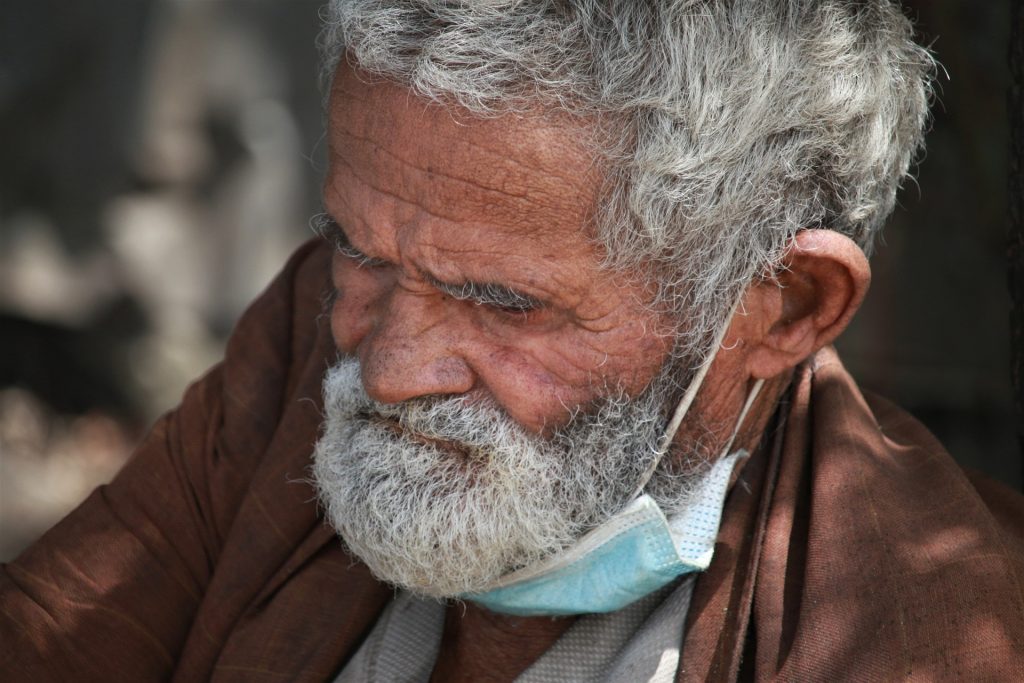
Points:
[(412, 350)]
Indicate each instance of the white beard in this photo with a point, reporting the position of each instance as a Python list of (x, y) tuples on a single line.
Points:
[(441, 497)]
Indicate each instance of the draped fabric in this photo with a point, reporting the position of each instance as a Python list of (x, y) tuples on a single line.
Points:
[(863, 552), (853, 547)]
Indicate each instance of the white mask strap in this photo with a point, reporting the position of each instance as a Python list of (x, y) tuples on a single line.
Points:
[(687, 400), (751, 397)]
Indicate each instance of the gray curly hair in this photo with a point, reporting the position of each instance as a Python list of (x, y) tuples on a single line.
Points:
[(729, 125)]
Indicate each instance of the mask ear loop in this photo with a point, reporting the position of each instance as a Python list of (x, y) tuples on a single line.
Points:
[(687, 400)]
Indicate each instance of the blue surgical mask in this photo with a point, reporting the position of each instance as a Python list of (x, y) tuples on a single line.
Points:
[(636, 551)]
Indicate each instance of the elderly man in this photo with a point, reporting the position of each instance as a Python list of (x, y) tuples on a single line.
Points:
[(580, 418)]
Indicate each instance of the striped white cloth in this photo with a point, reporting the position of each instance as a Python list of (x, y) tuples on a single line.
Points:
[(638, 643)]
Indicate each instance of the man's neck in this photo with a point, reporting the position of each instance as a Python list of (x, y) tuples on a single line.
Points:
[(480, 645)]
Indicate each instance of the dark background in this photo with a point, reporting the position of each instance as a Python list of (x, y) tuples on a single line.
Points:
[(159, 159)]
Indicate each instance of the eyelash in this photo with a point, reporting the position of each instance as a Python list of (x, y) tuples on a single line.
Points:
[(517, 309), (494, 297), (521, 306)]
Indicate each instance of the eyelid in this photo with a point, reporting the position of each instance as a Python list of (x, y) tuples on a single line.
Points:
[(342, 245), (492, 295)]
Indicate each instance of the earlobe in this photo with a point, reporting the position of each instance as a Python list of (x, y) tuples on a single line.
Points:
[(809, 303)]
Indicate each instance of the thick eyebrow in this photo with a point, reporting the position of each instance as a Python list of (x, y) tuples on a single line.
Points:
[(323, 224), (328, 228), (487, 294)]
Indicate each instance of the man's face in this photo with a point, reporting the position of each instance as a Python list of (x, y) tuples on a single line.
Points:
[(500, 393), (482, 278)]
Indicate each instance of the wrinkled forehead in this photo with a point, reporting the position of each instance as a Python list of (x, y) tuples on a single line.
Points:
[(535, 170), (546, 135)]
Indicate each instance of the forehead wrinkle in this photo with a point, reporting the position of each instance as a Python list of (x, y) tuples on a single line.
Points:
[(404, 161), (547, 134), (430, 171), (549, 150), (354, 171), (537, 273), (532, 231), (505, 199), (541, 274), (446, 252), (542, 146)]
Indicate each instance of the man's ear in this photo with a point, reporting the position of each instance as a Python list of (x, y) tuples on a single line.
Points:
[(808, 304)]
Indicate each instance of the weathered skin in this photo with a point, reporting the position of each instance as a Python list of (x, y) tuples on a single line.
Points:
[(431, 194)]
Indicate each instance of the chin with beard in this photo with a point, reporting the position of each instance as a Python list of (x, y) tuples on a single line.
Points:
[(440, 496)]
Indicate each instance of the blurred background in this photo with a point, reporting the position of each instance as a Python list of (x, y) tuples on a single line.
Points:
[(159, 160)]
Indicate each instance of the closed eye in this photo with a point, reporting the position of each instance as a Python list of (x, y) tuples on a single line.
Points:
[(492, 295)]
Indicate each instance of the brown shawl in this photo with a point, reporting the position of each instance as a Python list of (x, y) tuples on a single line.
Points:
[(853, 549)]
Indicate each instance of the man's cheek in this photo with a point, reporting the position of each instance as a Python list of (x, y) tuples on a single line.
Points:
[(535, 390)]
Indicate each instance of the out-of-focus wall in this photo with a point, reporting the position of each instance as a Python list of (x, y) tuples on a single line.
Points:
[(934, 332), (159, 159)]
